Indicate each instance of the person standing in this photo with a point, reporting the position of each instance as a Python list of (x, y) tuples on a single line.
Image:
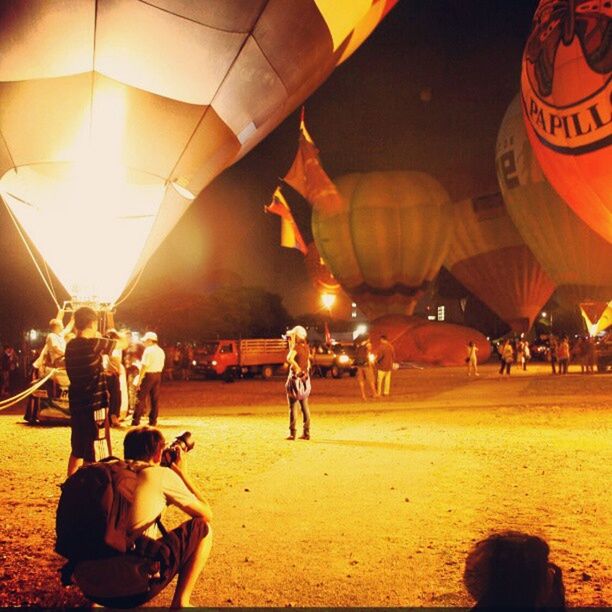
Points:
[(113, 370), (553, 348), (591, 355), (506, 358), (9, 367), (385, 359), (563, 355), (521, 353), (365, 371), (52, 355), (87, 394), (151, 368), (298, 381), (472, 359)]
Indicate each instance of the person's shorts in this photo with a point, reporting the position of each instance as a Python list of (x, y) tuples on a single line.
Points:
[(181, 544), (84, 432)]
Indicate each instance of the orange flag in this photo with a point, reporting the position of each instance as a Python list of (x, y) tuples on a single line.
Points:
[(308, 177), (290, 234)]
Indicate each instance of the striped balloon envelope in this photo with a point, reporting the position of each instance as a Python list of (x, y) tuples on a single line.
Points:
[(387, 243), (115, 114), (489, 257), (577, 259)]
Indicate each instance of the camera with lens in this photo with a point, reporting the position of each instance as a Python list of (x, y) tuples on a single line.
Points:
[(183, 442)]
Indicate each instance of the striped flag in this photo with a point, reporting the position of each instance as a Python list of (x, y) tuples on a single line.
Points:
[(290, 234)]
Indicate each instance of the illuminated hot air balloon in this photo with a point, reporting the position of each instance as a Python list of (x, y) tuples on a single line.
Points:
[(597, 316), (577, 259), (566, 88), (115, 114), (387, 243), (489, 257)]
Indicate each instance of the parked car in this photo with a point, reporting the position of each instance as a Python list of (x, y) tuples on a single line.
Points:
[(603, 352), (540, 350), (337, 359)]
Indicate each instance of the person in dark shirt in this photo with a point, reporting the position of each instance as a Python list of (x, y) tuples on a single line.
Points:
[(385, 359), (88, 395)]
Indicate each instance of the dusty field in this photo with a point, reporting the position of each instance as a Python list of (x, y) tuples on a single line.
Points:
[(378, 509)]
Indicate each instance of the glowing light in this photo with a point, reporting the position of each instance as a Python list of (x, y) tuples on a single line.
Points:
[(33, 335), (328, 300), (89, 218), (89, 221), (361, 329), (343, 359)]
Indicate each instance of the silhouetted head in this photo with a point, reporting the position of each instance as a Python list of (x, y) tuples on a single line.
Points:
[(85, 317), (511, 569), (56, 326), (143, 443)]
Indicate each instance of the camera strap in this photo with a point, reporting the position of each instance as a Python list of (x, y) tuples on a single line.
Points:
[(161, 527)]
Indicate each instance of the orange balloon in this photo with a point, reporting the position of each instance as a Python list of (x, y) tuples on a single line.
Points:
[(566, 90), (436, 343)]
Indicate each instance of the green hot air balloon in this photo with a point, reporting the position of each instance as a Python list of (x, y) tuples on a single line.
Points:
[(490, 258), (577, 259), (388, 241)]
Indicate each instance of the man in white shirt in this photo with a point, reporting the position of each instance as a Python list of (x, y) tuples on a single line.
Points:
[(188, 546), (152, 366)]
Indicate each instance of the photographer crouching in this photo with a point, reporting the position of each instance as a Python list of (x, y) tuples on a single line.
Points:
[(164, 482)]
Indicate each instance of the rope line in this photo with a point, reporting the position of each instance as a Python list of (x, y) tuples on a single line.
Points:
[(11, 401), (131, 289), (23, 238)]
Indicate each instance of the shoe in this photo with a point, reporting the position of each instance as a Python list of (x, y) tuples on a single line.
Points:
[(152, 424), (115, 424), (134, 424), (290, 437), (305, 436)]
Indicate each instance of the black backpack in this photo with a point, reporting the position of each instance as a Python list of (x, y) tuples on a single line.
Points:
[(92, 514)]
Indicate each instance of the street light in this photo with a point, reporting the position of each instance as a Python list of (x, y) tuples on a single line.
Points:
[(328, 300)]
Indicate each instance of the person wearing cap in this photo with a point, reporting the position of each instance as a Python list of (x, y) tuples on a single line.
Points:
[(151, 368), (298, 380)]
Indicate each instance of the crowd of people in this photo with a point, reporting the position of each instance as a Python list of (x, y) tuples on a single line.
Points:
[(558, 351), (112, 376)]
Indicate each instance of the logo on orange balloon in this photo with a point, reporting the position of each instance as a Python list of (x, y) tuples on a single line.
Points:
[(565, 79)]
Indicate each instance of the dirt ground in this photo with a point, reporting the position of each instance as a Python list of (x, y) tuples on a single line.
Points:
[(379, 509)]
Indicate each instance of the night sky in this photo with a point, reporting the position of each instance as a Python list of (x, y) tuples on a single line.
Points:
[(427, 91)]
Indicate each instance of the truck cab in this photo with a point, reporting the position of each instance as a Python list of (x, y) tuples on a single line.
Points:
[(213, 358)]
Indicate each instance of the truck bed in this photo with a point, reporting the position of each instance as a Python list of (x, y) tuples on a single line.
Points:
[(260, 351)]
